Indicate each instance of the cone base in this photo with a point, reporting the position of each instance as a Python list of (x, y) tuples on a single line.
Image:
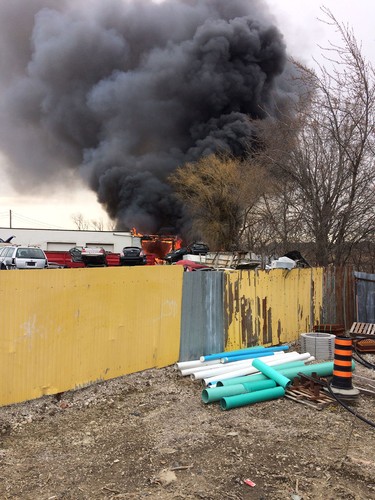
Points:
[(349, 393)]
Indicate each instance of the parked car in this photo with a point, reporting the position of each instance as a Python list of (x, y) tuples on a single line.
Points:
[(196, 248), (18, 257), (176, 255), (190, 265), (2, 253), (94, 257), (133, 256)]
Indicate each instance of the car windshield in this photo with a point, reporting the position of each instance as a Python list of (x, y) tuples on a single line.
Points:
[(30, 253), (132, 250)]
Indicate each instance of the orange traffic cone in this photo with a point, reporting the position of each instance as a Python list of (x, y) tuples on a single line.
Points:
[(342, 368)]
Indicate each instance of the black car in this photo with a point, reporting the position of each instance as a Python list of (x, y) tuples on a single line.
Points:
[(176, 255), (132, 256), (196, 248)]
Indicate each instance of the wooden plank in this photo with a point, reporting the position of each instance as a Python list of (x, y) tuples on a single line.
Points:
[(303, 393), (366, 391), (304, 402), (363, 330)]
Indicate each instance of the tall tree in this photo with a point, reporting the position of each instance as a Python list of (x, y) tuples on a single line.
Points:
[(324, 150), (216, 190)]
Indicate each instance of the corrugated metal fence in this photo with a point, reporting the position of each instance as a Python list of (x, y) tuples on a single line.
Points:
[(61, 329), (271, 307), (339, 296), (365, 294), (202, 325), (261, 307)]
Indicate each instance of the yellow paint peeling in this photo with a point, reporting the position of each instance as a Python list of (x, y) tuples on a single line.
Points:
[(277, 306)]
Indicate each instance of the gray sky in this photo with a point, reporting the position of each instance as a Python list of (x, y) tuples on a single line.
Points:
[(297, 20), (303, 32)]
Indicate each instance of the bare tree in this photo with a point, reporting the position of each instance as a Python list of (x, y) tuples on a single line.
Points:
[(81, 223), (324, 152), (111, 225), (273, 225), (97, 224), (84, 224)]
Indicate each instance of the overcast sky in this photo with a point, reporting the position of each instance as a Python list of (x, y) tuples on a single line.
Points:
[(303, 33)]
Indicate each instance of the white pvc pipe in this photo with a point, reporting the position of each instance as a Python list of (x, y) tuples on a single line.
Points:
[(182, 365), (218, 365), (189, 371), (230, 367), (292, 356), (308, 360)]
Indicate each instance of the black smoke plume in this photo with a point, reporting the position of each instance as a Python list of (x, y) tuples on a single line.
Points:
[(122, 92)]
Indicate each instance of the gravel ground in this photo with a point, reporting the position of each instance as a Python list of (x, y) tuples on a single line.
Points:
[(148, 435)]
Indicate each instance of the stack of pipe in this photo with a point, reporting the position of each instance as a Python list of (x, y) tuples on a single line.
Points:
[(226, 365), (216, 368), (270, 383), (226, 362), (247, 376), (211, 379)]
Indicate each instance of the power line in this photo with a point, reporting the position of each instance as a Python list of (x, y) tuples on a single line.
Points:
[(29, 220)]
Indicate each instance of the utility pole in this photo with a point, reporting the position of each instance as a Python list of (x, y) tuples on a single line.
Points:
[(10, 219)]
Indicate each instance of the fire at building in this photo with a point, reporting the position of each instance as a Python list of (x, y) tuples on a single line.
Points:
[(158, 245)]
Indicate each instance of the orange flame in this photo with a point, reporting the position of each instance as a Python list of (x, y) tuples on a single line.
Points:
[(157, 245), (178, 244), (134, 232)]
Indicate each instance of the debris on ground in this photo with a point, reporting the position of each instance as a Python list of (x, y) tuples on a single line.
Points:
[(125, 437)]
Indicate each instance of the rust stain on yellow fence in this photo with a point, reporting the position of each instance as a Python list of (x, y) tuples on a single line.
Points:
[(271, 307), (65, 328)]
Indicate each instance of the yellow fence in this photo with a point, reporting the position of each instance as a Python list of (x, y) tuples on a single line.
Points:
[(271, 307), (61, 329)]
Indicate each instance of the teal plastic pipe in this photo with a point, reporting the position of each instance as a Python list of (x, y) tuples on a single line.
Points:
[(216, 393), (250, 355), (258, 376), (321, 369), (271, 373), (227, 403), (220, 355)]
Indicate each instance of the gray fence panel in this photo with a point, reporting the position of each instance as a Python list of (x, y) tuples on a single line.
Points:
[(202, 323), (365, 289)]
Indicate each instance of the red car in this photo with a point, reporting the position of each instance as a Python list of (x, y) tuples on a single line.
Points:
[(190, 265)]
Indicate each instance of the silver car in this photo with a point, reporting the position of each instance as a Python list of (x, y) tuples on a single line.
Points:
[(18, 257), (3, 250)]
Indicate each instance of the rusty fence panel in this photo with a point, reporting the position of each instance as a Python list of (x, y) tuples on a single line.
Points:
[(339, 296), (365, 297), (202, 327), (64, 328), (270, 307)]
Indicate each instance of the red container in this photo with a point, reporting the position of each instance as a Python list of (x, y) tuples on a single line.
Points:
[(334, 329)]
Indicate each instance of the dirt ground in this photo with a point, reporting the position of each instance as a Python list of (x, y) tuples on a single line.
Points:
[(148, 435)]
